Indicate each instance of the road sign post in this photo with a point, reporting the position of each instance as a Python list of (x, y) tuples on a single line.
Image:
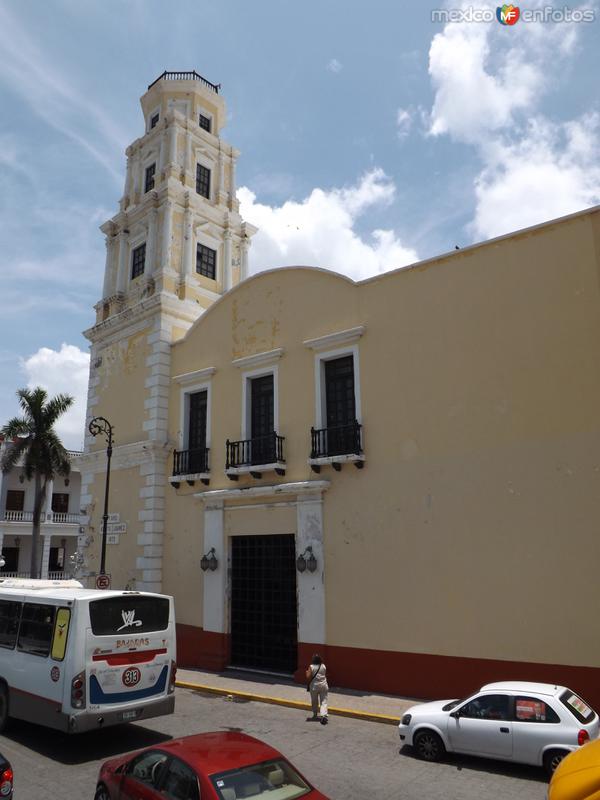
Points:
[(102, 581)]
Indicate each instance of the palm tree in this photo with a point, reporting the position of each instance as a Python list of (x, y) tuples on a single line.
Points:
[(33, 442)]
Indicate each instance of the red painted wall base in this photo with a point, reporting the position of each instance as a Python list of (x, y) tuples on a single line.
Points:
[(417, 675)]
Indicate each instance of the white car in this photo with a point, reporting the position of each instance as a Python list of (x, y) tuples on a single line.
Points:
[(533, 723)]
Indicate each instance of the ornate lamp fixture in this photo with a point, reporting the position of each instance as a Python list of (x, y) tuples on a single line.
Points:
[(306, 561), (209, 561)]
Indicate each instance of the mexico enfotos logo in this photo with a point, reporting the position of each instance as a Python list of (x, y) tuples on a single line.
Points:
[(509, 15)]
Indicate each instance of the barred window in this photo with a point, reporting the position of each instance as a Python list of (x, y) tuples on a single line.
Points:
[(204, 122), (149, 183), (202, 180), (154, 121), (206, 261), (138, 261)]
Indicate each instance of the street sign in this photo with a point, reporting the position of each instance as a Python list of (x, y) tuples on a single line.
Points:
[(112, 538), (114, 517), (103, 582), (116, 527)]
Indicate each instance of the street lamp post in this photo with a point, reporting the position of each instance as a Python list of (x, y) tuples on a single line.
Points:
[(96, 426)]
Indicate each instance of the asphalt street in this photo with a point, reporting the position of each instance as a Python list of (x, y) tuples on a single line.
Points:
[(347, 759)]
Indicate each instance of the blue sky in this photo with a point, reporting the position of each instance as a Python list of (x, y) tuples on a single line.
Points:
[(370, 136)]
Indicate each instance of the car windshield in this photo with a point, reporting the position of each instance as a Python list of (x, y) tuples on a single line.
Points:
[(577, 707), (276, 780), (452, 704)]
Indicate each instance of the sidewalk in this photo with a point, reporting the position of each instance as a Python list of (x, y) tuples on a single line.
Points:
[(280, 691)]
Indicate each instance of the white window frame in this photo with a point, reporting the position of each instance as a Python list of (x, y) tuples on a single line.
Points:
[(184, 406), (134, 242), (248, 376), (320, 394), (207, 240), (202, 158), (146, 166), (209, 115), (153, 113)]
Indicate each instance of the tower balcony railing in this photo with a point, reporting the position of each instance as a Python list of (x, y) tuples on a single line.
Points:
[(191, 462), (249, 455), (186, 76)]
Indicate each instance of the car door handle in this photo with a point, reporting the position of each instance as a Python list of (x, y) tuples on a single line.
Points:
[(504, 730)]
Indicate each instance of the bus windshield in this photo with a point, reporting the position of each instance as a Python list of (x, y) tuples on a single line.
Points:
[(129, 614)]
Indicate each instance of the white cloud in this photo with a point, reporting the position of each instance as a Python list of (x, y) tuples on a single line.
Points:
[(62, 372), (319, 230), (469, 99), (551, 171), (335, 66), (488, 95)]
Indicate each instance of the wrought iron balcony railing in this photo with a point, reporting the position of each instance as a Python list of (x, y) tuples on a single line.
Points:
[(260, 450), (191, 462), (186, 76), (340, 440)]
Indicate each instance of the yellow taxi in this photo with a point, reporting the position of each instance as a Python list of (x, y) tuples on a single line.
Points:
[(577, 777)]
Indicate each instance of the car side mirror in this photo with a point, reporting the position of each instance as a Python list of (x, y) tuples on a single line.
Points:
[(455, 714)]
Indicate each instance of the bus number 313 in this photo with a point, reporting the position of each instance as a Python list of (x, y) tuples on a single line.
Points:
[(131, 676)]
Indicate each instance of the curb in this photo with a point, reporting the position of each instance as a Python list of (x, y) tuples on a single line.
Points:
[(366, 716)]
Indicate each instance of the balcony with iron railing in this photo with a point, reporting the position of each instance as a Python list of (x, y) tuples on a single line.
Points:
[(186, 76), (255, 456), (336, 445), (191, 465)]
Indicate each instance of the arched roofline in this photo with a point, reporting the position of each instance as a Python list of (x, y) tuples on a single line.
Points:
[(258, 276)]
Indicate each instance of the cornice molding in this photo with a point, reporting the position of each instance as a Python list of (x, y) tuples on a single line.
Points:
[(217, 496), (194, 377), (259, 359), (332, 339)]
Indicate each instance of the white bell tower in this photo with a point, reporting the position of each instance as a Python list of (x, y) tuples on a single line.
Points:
[(175, 246)]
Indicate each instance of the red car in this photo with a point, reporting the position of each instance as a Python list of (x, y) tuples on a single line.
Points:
[(219, 766)]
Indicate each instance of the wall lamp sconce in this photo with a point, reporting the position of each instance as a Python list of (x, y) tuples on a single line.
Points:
[(17, 541), (306, 562), (67, 481), (209, 561), (21, 478)]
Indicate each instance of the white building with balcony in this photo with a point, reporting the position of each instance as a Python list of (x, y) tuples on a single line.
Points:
[(60, 522)]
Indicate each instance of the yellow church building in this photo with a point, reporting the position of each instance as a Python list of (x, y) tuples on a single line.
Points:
[(402, 474)]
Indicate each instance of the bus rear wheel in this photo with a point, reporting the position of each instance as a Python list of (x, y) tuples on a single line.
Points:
[(3, 706)]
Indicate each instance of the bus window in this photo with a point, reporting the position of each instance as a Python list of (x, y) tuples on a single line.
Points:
[(61, 631), (129, 614), (35, 633), (10, 612)]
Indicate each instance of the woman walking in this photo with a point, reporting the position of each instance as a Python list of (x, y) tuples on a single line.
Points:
[(316, 675)]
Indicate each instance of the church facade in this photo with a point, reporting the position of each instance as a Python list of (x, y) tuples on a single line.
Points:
[(401, 473)]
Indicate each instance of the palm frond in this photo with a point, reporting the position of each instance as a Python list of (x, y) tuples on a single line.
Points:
[(56, 407), (37, 442), (13, 454)]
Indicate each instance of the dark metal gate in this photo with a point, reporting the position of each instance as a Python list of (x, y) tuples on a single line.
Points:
[(264, 616)]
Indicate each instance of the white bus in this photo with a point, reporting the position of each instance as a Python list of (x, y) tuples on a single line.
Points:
[(79, 659)]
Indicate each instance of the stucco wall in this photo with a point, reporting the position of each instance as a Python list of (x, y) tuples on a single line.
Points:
[(471, 530)]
